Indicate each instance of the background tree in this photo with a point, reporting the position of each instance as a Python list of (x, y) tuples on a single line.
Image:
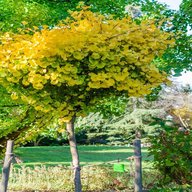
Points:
[(186, 7), (135, 123), (16, 15), (122, 129)]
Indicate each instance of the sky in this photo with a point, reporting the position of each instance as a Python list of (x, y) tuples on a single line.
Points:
[(173, 4), (186, 77)]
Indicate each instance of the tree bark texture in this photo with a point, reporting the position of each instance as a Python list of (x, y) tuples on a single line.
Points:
[(138, 165), (6, 166), (75, 155)]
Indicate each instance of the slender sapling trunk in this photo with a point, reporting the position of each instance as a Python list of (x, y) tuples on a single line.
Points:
[(75, 155)]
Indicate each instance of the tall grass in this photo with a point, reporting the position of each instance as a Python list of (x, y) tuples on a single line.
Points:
[(60, 179)]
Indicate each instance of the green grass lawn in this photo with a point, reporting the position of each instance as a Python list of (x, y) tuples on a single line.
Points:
[(54, 155), (60, 155)]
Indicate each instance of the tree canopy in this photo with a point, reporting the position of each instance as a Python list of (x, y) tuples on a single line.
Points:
[(16, 15), (86, 57)]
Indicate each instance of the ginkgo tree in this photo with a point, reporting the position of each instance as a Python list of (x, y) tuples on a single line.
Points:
[(63, 70)]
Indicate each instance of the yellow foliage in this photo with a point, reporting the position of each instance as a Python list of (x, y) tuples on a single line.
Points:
[(184, 113), (81, 58), (14, 96)]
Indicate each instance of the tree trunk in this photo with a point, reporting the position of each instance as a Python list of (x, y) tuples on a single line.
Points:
[(37, 141), (75, 155), (6, 166), (138, 165)]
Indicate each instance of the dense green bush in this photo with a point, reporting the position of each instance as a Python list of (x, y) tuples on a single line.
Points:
[(172, 153)]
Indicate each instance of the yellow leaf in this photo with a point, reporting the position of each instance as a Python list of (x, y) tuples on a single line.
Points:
[(14, 96), (24, 22)]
